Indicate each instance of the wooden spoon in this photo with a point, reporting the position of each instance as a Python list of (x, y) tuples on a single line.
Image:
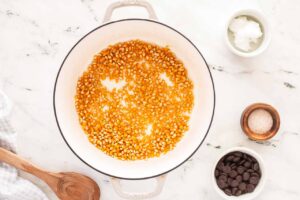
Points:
[(67, 186)]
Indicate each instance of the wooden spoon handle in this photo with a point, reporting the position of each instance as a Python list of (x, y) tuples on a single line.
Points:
[(18, 162), (67, 186)]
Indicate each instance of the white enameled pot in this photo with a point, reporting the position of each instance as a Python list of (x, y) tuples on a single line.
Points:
[(77, 61)]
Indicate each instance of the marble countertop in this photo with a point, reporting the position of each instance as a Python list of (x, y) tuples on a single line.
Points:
[(35, 37)]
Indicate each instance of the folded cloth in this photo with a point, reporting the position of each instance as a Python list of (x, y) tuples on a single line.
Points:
[(12, 186)]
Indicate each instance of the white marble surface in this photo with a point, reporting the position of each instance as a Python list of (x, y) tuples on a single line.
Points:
[(36, 35)]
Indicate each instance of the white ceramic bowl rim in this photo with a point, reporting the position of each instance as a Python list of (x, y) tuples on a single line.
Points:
[(179, 35)]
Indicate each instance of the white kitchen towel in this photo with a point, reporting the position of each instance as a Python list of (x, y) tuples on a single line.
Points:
[(12, 186)]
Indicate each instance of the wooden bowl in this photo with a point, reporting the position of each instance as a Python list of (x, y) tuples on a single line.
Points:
[(255, 136)]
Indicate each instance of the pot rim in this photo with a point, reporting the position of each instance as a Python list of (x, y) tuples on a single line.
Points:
[(132, 19)]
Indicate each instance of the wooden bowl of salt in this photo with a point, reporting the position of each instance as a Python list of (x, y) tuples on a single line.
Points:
[(260, 121)]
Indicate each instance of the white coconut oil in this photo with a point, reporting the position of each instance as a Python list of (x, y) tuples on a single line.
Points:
[(245, 33)]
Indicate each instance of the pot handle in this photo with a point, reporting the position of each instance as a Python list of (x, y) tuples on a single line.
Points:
[(127, 3), (135, 196)]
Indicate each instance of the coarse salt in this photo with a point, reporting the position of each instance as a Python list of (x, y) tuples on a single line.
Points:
[(246, 33), (260, 121)]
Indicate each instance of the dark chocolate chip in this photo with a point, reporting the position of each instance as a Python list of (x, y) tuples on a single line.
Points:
[(238, 154), (242, 186), (229, 180), (242, 162), (239, 178), (259, 172), (220, 165), (250, 188), (230, 158), (228, 192), (223, 177), (247, 164), (221, 183), (240, 169), (232, 165), (226, 169), (246, 176), (217, 173), (255, 166), (250, 170), (238, 193), (234, 190), (233, 174), (234, 183), (255, 174), (236, 159), (254, 180)]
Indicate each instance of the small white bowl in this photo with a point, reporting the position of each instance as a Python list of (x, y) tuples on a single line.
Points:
[(265, 29), (259, 187)]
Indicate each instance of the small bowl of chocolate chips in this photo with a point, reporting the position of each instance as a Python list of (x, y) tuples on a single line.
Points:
[(239, 173)]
